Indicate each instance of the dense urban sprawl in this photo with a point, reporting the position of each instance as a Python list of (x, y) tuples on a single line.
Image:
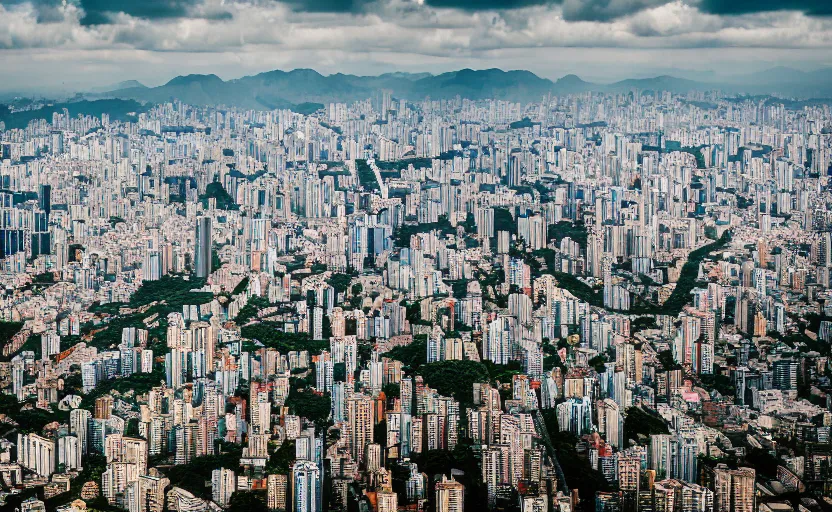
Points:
[(601, 302)]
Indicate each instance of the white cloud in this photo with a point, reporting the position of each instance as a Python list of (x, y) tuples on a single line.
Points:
[(390, 34)]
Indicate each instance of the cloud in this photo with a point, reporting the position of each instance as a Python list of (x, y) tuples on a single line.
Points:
[(97, 12), (358, 36), (399, 26), (606, 10), (332, 6), (573, 10), (730, 7)]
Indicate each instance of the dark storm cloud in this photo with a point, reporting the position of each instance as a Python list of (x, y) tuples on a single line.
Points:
[(606, 10), (102, 12), (573, 10), (472, 5), (340, 6), (810, 7)]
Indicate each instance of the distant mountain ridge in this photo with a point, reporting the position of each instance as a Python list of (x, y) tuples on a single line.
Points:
[(284, 89)]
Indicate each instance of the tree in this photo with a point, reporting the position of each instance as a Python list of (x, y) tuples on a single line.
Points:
[(246, 501), (667, 361), (639, 422), (455, 378), (310, 405)]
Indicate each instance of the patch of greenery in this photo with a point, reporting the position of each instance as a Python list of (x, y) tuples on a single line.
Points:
[(307, 108), (251, 309), (455, 378), (401, 238), (640, 422), (108, 335), (722, 384), (8, 331), (174, 290), (466, 461), (310, 405), (576, 469), (118, 110), (687, 278), (642, 323), (340, 282), (138, 383), (217, 191), (241, 287), (193, 475), (503, 373), (576, 231), (44, 278), (34, 343), (413, 355), (391, 390), (459, 288), (504, 221), (523, 123), (598, 362), (32, 419), (667, 361), (271, 335), (579, 289), (281, 460), (115, 220), (366, 176)]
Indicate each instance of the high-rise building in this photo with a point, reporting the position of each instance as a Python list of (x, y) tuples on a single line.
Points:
[(36, 453), (785, 374), (306, 487), (734, 489), (45, 198), (450, 495), (223, 485), (388, 501), (360, 429), (276, 491), (202, 247), (69, 452), (151, 493), (103, 407)]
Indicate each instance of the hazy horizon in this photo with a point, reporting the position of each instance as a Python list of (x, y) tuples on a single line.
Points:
[(109, 83)]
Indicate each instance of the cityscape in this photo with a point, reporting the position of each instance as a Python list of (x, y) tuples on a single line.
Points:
[(449, 291)]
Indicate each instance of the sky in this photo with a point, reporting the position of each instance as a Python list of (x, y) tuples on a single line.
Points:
[(48, 45)]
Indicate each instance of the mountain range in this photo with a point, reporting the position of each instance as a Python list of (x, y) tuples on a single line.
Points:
[(285, 89)]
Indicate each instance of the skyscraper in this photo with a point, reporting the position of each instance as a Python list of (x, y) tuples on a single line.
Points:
[(360, 419), (733, 488), (387, 501), (36, 453), (276, 492), (306, 487), (151, 495), (45, 198), (449, 495), (223, 485), (202, 247)]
